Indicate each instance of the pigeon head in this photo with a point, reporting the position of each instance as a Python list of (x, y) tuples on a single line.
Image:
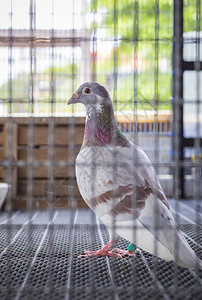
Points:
[(91, 94), (101, 127)]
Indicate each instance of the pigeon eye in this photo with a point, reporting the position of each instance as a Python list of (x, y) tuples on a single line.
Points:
[(86, 90)]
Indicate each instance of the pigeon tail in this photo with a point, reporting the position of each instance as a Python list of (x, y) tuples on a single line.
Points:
[(183, 254), (165, 231)]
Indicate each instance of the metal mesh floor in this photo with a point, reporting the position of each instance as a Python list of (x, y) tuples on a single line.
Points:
[(40, 261)]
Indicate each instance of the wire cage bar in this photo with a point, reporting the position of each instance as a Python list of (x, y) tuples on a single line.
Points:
[(148, 56)]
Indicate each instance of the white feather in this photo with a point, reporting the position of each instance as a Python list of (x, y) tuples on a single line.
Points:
[(103, 169)]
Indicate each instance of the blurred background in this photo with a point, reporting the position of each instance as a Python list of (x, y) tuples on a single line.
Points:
[(148, 54)]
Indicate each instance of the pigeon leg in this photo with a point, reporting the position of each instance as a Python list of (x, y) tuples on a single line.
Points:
[(103, 252), (116, 252), (126, 252), (131, 251)]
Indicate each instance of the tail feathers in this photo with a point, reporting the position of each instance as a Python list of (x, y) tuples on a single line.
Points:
[(177, 246), (184, 255)]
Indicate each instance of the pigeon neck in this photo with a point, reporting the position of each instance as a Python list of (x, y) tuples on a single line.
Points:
[(101, 128)]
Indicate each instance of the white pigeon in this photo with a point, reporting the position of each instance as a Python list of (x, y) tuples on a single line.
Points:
[(118, 182)]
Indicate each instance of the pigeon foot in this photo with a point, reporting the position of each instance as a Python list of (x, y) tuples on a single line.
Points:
[(116, 252), (126, 252), (102, 252)]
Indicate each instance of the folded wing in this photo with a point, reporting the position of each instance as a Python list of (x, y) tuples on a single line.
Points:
[(117, 181)]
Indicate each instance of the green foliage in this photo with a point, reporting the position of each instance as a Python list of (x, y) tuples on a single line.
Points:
[(69, 69), (144, 31), (138, 16), (18, 86), (190, 15), (65, 79)]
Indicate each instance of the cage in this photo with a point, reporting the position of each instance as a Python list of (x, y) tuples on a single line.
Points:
[(148, 55)]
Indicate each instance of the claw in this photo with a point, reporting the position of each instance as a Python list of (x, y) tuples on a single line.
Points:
[(118, 253), (126, 252), (100, 253)]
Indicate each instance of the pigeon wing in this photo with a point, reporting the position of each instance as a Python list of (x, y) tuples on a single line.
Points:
[(116, 181)]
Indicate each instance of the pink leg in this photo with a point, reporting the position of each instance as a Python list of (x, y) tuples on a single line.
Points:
[(102, 252), (126, 252), (114, 252)]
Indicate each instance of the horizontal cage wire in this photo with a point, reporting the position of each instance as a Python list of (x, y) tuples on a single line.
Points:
[(100, 149)]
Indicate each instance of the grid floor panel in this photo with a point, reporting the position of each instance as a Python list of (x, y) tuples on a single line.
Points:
[(41, 261)]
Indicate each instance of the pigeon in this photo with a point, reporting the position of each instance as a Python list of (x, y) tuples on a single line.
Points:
[(118, 182)]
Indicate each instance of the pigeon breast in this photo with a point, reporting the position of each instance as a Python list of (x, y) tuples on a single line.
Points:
[(116, 181)]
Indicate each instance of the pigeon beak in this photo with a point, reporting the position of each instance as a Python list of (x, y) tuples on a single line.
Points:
[(74, 99)]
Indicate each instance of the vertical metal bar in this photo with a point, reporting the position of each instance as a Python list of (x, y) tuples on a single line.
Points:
[(51, 121), (178, 176), (9, 127), (20, 290), (72, 131), (153, 275), (15, 237), (51, 134), (156, 83), (156, 212), (197, 178), (135, 73), (94, 51), (72, 235), (9, 138), (198, 133), (30, 162), (115, 57), (93, 152), (110, 269), (135, 131), (115, 54)]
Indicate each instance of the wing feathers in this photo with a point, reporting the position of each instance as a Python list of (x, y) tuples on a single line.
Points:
[(124, 189), (122, 200), (119, 189)]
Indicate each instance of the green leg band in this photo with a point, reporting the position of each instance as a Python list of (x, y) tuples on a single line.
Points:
[(132, 247)]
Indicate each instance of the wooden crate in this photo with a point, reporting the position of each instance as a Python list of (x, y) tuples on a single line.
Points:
[(64, 191), (2, 169), (2, 173), (63, 135), (21, 203), (2, 151), (61, 187), (2, 134), (42, 155), (68, 137)]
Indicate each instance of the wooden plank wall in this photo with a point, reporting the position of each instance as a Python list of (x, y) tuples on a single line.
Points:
[(68, 136), (2, 149), (67, 142)]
